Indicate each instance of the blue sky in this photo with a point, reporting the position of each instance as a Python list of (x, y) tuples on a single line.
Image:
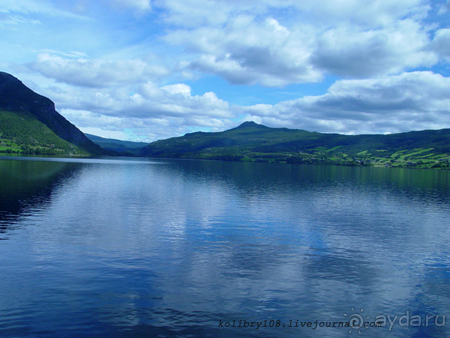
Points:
[(151, 69)]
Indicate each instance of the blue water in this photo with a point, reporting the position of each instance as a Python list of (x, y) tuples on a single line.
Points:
[(171, 248)]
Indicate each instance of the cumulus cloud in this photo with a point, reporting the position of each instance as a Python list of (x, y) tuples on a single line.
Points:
[(249, 52), (410, 101), (252, 42), (348, 52), (351, 39), (177, 101), (146, 129), (148, 112), (124, 128), (146, 100), (179, 88), (96, 73), (441, 43)]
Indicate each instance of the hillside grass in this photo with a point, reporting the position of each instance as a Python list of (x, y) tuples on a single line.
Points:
[(251, 142), (23, 133)]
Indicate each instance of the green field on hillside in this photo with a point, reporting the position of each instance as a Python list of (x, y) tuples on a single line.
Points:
[(22, 133), (251, 142)]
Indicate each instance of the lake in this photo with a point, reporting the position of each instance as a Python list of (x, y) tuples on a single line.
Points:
[(128, 247)]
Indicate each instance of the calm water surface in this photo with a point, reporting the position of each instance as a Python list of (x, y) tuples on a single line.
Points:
[(167, 248)]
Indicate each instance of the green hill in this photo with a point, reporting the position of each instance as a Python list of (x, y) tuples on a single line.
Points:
[(254, 142), (22, 109), (120, 147), (23, 133)]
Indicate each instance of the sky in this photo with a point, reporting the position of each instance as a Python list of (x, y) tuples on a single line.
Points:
[(143, 70)]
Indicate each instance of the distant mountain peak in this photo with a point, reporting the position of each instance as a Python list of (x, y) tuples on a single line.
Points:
[(249, 124)]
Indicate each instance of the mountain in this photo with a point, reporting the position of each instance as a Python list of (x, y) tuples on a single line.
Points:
[(254, 142), (22, 109), (118, 146)]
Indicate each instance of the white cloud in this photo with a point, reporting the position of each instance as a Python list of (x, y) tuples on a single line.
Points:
[(145, 129), (195, 13), (142, 101), (348, 52), (363, 13), (441, 43), (113, 127), (176, 100), (179, 88), (410, 101), (249, 52), (96, 73), (362, 40)]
